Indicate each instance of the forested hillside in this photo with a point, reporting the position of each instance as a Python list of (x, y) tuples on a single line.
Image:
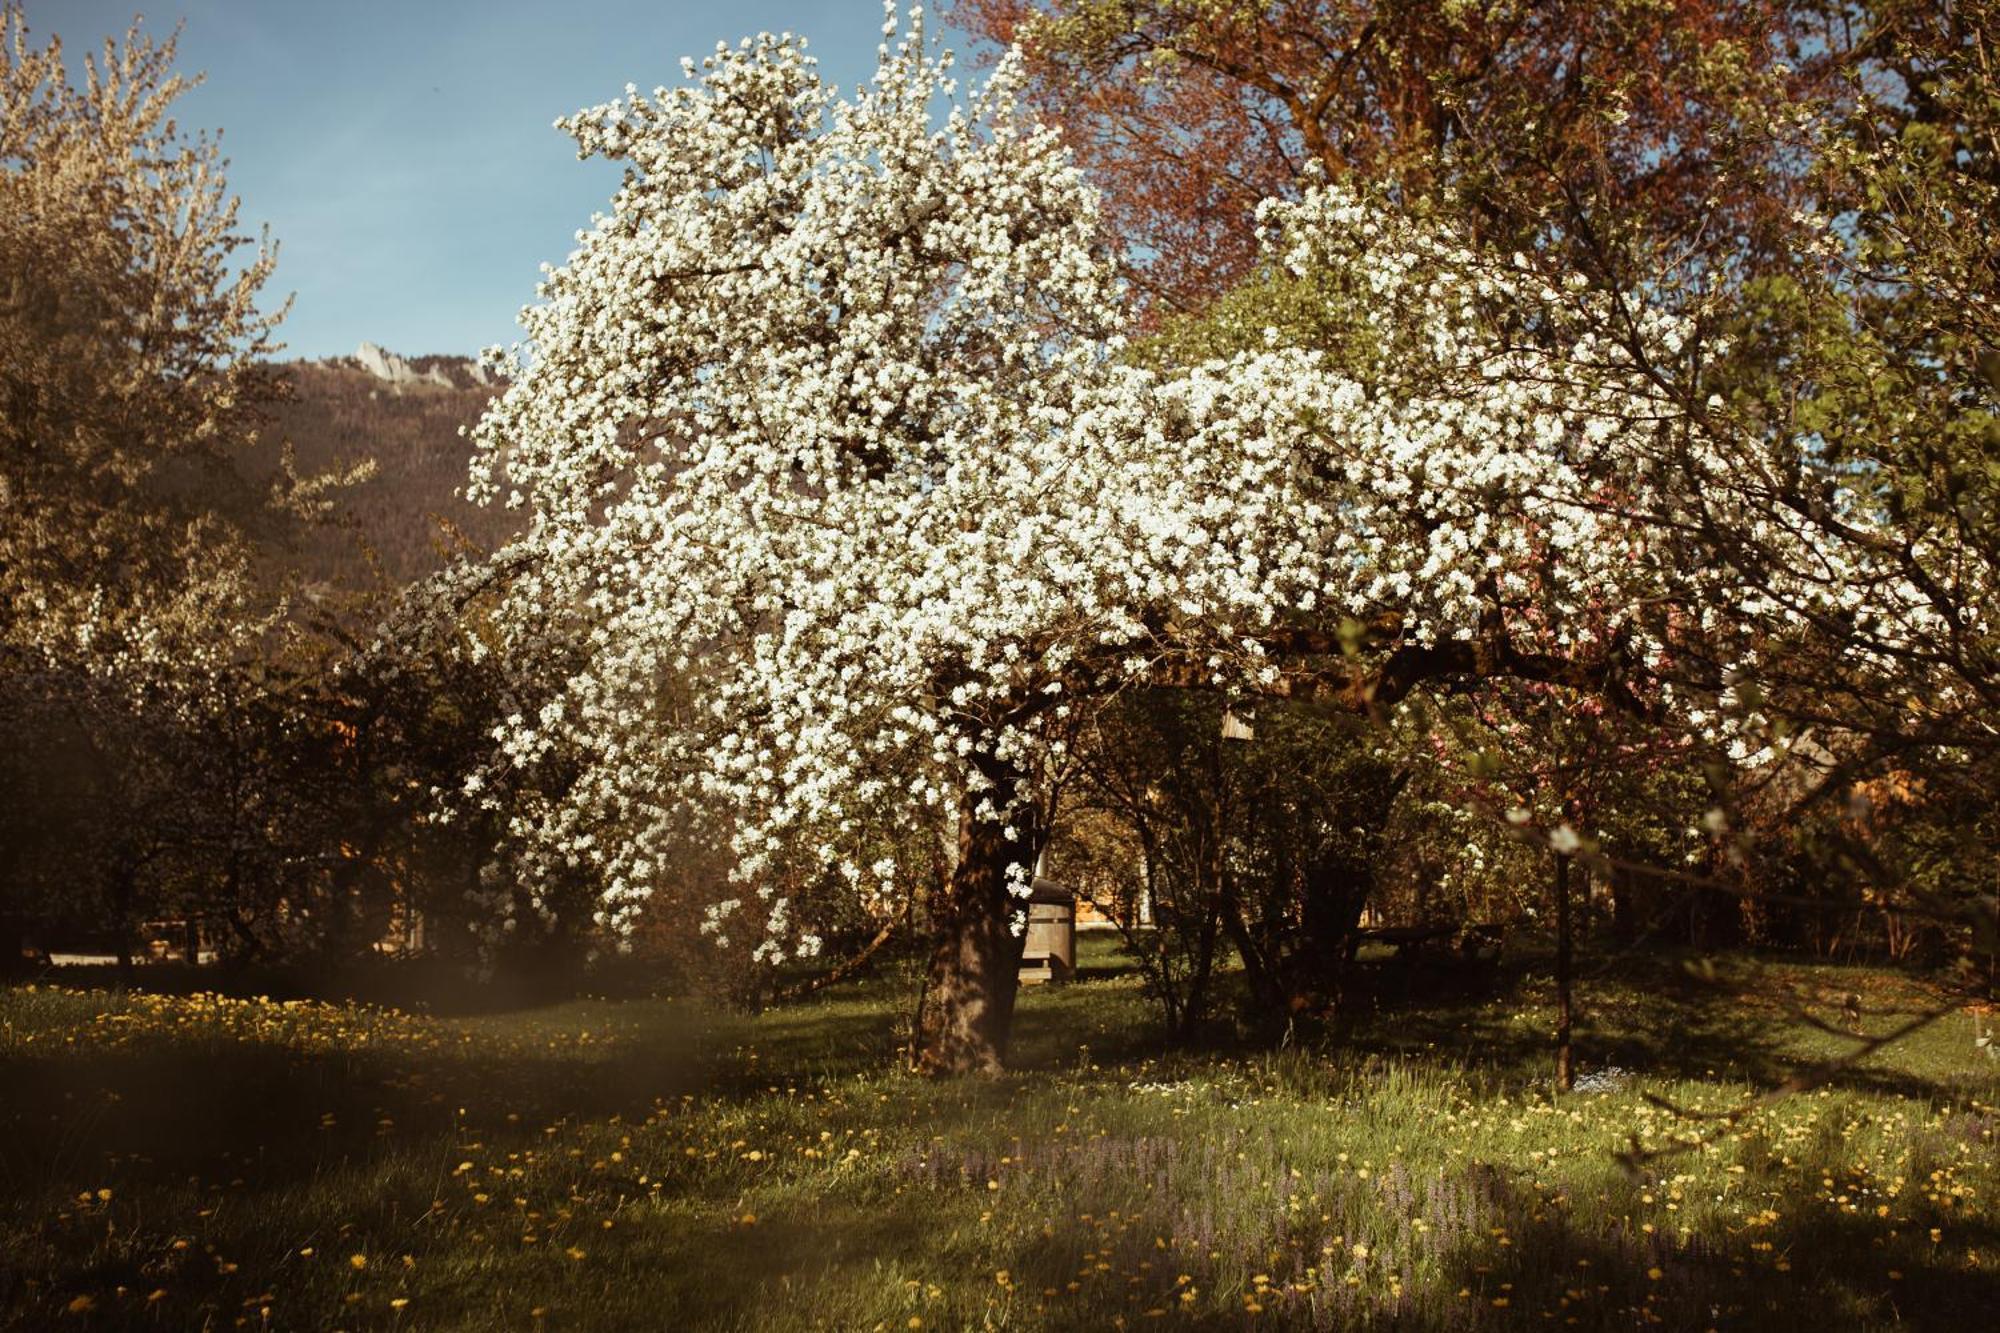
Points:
[(398, 524)]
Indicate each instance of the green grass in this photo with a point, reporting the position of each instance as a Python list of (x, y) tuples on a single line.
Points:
[(182, 1163)]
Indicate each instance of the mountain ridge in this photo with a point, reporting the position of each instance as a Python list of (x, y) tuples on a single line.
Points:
[(409, 415)]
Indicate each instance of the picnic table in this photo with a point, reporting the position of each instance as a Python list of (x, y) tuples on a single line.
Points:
[(1406, 943), (1432, 959)]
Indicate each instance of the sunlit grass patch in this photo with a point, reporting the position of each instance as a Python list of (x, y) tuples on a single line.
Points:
[(644, 1164)]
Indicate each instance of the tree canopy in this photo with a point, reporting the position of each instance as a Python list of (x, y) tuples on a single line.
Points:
[(846, 499)]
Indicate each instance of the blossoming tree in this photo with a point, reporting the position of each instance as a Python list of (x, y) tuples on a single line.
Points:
[(134, 377), (847, 502)]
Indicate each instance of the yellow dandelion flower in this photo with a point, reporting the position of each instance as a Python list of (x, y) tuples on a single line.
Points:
[(357, 1262)]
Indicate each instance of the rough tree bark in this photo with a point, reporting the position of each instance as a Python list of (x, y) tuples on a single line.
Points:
[(968, 1006)]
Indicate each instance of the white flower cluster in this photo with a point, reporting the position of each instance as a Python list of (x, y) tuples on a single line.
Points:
[(844, 496)]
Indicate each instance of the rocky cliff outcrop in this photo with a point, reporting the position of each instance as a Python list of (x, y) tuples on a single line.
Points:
[(386, 365)]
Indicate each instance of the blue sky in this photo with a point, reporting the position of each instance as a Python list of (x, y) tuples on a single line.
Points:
[(402, 153)]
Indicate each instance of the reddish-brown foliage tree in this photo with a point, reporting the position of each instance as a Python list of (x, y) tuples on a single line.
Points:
[(1557, 116)]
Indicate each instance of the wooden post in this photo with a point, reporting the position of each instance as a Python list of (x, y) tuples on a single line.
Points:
[(1565, 1057)]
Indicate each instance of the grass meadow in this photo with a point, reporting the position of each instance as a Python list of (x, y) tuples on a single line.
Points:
[(198, 1162)]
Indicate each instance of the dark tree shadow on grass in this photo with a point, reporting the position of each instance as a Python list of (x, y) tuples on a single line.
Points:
[(1660, 1019), (1471, 1247)]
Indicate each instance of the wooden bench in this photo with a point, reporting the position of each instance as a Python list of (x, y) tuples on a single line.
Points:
[(1424, 960), (1407, 944)]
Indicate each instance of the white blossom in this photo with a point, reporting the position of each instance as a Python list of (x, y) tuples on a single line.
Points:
[(827, 423)]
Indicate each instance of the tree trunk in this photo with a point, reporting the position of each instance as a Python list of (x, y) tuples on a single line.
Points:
[(975, 968), (123, 891), (1196, 1005), (1623, 927), (250, 946), (1260, 977), (1336, 893), (13, 944)]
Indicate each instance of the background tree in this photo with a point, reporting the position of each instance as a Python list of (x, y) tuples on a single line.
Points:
[(1563, 123), (1854, 370), (1267, 846), (133, 367), (133, 358), (1680, 157)]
